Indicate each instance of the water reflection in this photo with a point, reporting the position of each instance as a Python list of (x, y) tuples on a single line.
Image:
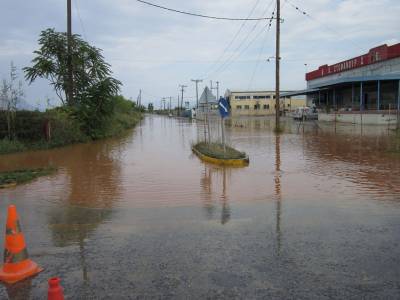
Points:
[(20, 290), (278, 192), (220, 174)]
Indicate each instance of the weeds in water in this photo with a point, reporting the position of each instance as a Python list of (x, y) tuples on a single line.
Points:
[(22, 176)]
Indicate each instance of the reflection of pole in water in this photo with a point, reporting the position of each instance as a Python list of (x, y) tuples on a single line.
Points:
[(82, 254), (205, 184), (226, 211), (278, 192)]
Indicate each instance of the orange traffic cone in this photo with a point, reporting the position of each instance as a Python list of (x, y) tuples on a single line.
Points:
[(17, 265), (55, 291)]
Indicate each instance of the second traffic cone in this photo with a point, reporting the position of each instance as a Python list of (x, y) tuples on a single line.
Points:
[(17, 265), (55, 291)]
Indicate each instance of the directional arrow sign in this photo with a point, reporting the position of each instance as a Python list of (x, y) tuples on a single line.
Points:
[(223, 107)]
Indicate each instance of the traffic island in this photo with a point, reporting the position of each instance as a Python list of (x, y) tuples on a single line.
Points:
[(216, 153), (12, 178)]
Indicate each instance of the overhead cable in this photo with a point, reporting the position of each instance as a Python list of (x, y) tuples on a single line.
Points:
[(261, 52), (201, 15), (233, 56), (232, 40)]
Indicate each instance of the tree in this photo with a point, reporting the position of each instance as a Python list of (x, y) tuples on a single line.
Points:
[(150, 107), (93, 88), (11, 93)]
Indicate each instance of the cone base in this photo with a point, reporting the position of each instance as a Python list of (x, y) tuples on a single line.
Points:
[(30, 269)]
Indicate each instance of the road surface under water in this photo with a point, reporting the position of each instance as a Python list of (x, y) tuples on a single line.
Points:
[(316, 215)]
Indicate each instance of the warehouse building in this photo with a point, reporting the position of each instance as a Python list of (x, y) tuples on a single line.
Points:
[(363, 89), (260, 103)]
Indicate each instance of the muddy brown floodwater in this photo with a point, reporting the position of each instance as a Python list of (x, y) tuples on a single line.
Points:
[(316, 215)]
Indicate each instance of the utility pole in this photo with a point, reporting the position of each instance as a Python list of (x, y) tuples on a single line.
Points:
[(139, 99), (197, 91), (70, 84), (163, 101), (170, 100), (182, 90), (277, 62), (217, 90)]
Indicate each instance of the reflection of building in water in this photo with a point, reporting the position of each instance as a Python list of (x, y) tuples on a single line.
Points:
[(368, 160), (260, 103), (206, 183)]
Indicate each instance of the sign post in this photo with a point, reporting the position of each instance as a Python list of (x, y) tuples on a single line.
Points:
[(224, 112)]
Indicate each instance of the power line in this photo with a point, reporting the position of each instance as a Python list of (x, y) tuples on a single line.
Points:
[(233, 39), (261, 51), (304, 13), (200, 15), (80, 19), (229, 61)]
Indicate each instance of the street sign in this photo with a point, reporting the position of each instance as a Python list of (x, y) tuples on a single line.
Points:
[(223, 107)]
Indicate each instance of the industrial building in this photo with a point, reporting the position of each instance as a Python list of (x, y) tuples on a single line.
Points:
[(364, 89), (260, 103)]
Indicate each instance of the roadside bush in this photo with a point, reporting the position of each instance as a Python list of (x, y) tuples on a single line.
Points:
[(7, 146), (65, 129)]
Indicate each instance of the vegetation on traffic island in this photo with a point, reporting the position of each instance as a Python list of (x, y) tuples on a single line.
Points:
[(12, 178), (216, 150), (95, 111)]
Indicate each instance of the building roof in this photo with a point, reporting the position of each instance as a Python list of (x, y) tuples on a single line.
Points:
[(207, 97), (343, 80), (374, 55)]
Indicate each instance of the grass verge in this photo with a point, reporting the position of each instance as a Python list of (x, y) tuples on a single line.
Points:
[(15, 177), (216, 150)]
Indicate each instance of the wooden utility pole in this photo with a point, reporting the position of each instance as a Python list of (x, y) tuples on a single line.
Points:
[(182, 90), (197, 91), (277, 61), (70, 84)]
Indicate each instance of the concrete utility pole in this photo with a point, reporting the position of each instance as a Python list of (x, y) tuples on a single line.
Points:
[(217, 90), (170, 102), (70, 84), (197, 91), (182, 90), (277, 61), (139, 99)]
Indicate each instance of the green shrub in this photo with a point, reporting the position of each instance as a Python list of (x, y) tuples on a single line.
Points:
[(7, 146)]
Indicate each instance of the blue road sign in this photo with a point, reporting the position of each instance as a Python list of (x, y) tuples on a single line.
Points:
[(223, 107)]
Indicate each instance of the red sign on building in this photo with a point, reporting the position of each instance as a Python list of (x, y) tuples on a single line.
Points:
[(377, 54)]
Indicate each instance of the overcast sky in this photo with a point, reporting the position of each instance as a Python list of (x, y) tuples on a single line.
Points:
[(156, 50)]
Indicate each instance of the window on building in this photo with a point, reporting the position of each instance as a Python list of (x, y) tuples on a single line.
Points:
[(242, 97), (288, 105), (238, 107), (247, 107), (257, 106), (266, 106)]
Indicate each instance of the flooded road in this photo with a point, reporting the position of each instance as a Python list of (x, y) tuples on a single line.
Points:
[(316, 215)]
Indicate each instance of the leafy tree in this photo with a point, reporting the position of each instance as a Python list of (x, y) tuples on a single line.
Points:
[(150, 107), (93, 87)]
